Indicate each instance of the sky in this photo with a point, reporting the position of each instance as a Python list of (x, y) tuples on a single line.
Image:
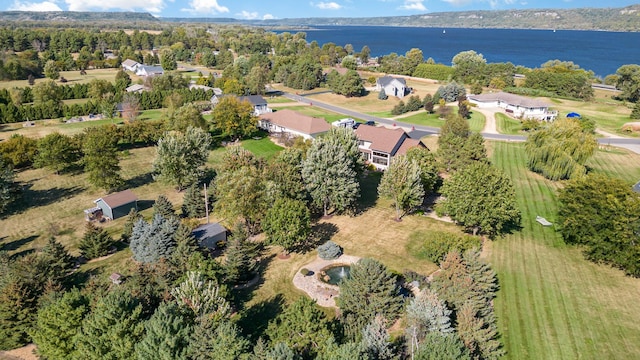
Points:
[(279, 9)]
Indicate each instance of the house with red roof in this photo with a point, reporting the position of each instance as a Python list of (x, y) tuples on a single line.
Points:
[(379, 145)]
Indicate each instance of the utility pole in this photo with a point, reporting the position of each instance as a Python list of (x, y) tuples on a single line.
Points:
[(206, 202)]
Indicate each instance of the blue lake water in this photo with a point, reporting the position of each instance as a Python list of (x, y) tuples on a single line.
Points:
[(599, 51)]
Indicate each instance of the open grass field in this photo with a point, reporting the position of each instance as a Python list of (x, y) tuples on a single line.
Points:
[(608, 114), (73, 77), (507, 125), (476, 122), (314, 111), (554, 304)]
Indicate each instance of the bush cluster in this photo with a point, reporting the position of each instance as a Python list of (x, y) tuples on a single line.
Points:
[(329, 251), (437, 244)]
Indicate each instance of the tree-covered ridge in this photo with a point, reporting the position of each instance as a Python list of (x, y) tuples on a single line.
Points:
[(67, 16)]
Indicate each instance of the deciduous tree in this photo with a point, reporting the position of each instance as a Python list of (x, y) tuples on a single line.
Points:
[(180, 157), (402, 183), (287, 223), (481, 198), (101, 157), (56, 152), (234, 118)]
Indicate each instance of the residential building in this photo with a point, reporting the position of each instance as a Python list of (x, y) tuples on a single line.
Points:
[(293, 123), (145, 70), (516, 106), (130, 65), (393, 86), (259, 104), (379, 145)]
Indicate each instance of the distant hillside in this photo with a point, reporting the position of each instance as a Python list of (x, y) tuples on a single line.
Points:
[(609, 19), (75, 16)]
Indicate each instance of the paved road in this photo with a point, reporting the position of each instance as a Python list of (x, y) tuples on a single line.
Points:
[(418, 131)]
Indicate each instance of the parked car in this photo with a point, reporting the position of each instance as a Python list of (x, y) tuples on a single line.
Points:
[(369, 123)]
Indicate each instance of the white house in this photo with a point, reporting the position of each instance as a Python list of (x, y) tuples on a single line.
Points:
[(515, 105), (145, 70), (136, 88), (259, 104), (130, 65), (293, 123), (392, 86), (380, 145)]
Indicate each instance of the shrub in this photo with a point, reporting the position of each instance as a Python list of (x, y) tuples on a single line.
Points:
[(435, 245), (329, 250), (305, 271), (383, 95), (398, 109)]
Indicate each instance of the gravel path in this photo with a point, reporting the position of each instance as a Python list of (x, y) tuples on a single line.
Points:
[(323, 293)]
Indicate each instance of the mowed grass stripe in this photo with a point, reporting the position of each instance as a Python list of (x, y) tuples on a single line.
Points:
[(554, 304)]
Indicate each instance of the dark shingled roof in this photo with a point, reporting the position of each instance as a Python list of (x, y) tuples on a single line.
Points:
[(208, 230)]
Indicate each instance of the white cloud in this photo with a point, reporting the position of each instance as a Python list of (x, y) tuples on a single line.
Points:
[(268, 17), (248, 15), (29, 6), (153, 6), (205, 7), (414, 5), (328, 6)]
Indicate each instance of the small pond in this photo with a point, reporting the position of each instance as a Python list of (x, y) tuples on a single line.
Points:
[(334, 274)]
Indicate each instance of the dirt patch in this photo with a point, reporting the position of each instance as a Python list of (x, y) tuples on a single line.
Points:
[(23, 353)]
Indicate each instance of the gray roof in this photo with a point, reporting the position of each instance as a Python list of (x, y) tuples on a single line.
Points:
[(130, 63), (387, 80), (208, 230), (511, 99), (151, 69), (254, 99)]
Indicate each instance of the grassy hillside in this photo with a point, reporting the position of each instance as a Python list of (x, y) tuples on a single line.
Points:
[(554, 304)]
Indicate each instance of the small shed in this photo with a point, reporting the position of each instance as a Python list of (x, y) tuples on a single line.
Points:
[(209, 235), (117, 205), (116, 278)]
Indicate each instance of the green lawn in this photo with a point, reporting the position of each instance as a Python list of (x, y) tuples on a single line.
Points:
[(554, 304), (507, 125), (264, 147), (315, 111), (476, 122)]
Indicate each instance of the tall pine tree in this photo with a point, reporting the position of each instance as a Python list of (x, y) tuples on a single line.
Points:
[(96, 242)]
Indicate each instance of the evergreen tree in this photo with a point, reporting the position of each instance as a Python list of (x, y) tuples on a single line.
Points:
[(382, 95), (60, 259), (376, 339), (167, 334), (348, 350), (202, 297), (239, 262), (186, 245), (402, 183), (426, 313), (285, 174), (428, 103), (287, 223), (369, 291), (155, 241), (302, 326), (163, 207), (281, 351), (7, 193), (457, 146), (437, 346), (220, 340), (96, 242), (112, 329), (193, 203), (479, 337), (132, 218), (635, 113), (58, 323)]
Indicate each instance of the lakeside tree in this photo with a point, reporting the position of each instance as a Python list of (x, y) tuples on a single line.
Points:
[(481, 198), (287, 223), (468, 66), (628, 81), (180, 157), (602, 213), (402, 183), (95, 242), (100, 159), (560, 150)]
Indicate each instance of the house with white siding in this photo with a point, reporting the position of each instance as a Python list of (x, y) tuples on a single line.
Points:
[(516, 106)]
